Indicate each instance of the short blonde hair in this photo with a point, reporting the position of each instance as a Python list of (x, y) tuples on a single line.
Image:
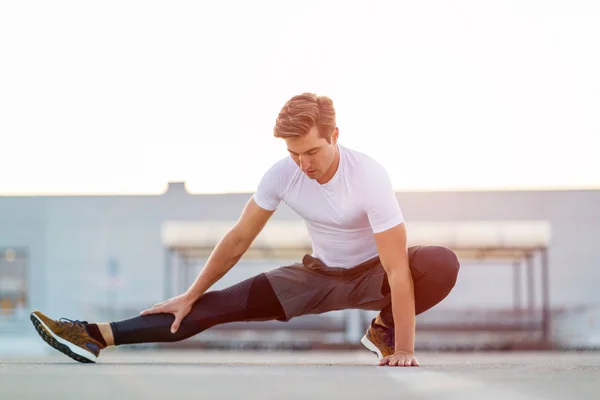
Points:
[(303, 112)]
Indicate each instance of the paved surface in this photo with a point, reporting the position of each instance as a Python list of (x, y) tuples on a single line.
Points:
[(301, 375)]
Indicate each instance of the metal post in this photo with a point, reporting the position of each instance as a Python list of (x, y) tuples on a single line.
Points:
[(530, 282), (182, 273), (517, 285), (168, 276), (545, 296)]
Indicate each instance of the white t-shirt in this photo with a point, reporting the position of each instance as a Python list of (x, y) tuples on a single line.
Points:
[(342, 215)]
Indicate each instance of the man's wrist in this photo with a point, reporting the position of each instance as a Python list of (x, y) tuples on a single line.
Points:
[(190, 296), (404, 350), (403, 340), (405, 347)]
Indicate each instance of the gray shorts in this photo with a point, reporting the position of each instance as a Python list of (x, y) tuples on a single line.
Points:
[(311, 287)]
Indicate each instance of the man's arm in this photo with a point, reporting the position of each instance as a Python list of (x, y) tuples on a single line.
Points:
[(231, 248), (393, 253), (225, 255)]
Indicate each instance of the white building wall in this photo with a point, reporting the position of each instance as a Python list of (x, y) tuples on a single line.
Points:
[(71, 240)]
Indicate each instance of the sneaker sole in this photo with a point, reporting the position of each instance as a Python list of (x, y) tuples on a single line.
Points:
[(370, 346), (58, 343)]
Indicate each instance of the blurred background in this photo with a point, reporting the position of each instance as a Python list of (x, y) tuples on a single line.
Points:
[(132, 134)]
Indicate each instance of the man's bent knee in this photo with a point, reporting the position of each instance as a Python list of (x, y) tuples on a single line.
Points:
[(440, 261)]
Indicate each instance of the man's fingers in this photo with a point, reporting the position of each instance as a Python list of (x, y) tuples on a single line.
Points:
[(391, 361), (148, 311), (399, 360), (154, 310), (176, 323)]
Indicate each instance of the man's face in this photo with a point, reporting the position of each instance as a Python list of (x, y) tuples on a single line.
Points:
[(312, 153)]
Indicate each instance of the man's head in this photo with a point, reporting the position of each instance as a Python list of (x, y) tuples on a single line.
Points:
[(307, 124)]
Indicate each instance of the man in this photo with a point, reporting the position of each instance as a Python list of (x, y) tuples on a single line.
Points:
[(360, 257)]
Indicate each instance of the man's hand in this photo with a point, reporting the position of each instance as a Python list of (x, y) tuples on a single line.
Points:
[(179, 306), (400, 359)]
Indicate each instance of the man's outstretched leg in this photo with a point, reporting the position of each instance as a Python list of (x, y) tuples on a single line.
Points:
[(434, 271), (249, 300)]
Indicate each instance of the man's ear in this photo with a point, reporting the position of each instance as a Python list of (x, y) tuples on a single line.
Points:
[(335, 135)]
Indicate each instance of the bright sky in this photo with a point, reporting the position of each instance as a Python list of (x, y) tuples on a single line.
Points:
[(123, 96)]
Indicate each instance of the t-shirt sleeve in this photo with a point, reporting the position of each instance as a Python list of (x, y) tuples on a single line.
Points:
[(379, 199), (269, 191)]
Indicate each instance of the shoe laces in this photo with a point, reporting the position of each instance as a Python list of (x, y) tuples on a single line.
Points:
[(73, 322)]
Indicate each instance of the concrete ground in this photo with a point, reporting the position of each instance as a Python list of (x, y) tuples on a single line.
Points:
[(185, 374)]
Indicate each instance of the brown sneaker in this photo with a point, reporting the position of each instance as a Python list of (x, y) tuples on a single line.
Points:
[(68, 337), (379, 339)]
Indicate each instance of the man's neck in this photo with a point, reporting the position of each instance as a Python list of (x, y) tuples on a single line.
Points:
[(332, 169)]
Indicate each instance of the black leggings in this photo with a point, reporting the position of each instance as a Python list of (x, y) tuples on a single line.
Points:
[(434, 274), (250, 300)]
